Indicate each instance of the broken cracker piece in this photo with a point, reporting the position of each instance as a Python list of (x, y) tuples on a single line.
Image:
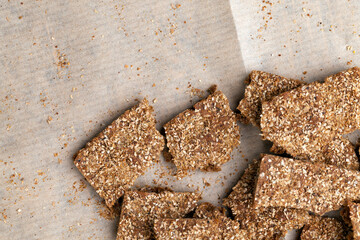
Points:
[(207, 210), (203, 138), (119, 154), (265, 86), (139, 209), (262, 87), (305, 121), (354, 210), (319, 188), (261, 223), (222, 228), (324, 228)]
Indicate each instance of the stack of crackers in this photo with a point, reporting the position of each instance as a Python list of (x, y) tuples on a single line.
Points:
[(314, 169)]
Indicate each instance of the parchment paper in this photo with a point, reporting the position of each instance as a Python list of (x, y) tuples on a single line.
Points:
[(69, 68)]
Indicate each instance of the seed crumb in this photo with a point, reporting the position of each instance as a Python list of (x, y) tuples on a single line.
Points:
[(49, 119)]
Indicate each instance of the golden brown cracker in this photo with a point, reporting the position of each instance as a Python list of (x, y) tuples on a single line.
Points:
[(290, 183), (119, 154), (203, 138)]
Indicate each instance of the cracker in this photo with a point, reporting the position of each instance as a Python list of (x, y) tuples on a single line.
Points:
[(323, 228), (261, 223), (263, 86), (354, 210), (119, 154), (319, 188), (339, 152), (306, 120), (139, 209), (204, 137), (222, 228), (207, 210)]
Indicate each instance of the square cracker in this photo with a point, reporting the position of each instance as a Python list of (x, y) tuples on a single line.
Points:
[(221, 228), (140, 209), (324, 228), (263, 86), (319, 188), (307, 120), (261, 223), (119, 154), (203, 137)]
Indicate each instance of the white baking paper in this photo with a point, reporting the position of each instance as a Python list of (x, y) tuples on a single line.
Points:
[(69, 68)]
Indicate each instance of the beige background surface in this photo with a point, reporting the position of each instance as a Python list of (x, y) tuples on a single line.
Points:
[(79, 64)]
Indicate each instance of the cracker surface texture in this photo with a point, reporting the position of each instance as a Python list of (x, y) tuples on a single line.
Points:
[(262, 87), (354, 210), (319, 188), (113, 160), (307, 120), (207, 210), (322, 228), (140, 209), (204, 137), (222, 228), (261, 223)]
